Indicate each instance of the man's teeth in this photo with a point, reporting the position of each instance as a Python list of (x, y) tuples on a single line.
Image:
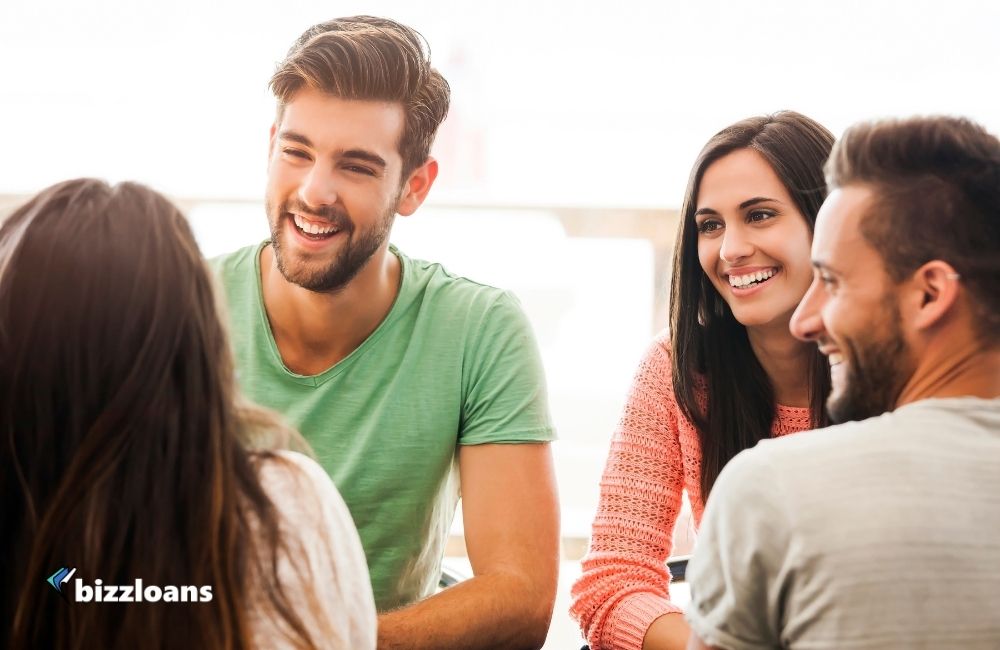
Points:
[(835, 358), (312, 228), (750, 278)]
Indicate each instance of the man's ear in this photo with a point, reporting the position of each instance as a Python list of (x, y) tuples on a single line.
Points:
[(416, 187), (935, 286), (270, 141)]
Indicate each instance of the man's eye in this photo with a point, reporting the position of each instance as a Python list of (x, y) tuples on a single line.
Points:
[(828, 282), (358, 169), (295, 153)]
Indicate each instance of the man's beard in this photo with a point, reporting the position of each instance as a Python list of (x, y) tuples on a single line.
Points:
[(356, 250), (877, 368)]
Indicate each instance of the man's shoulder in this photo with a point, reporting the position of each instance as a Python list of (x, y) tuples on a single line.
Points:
[(923, 420), (814, 462), (786, 448), (793, 459), (437, 284), (237, 264)]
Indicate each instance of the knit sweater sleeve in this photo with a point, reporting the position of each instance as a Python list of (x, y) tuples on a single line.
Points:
[(624, 586)]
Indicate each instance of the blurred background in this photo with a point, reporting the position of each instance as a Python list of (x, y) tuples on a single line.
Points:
[(563, 160)]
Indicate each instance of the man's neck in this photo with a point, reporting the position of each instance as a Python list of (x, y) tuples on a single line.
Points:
[(314, 331), (785, 359), (954, 367)]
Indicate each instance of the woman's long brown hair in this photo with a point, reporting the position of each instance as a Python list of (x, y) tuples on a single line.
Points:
[(710, 351), (122, 447)]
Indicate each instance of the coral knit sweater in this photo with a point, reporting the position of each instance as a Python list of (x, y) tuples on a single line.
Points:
[(655, 455)]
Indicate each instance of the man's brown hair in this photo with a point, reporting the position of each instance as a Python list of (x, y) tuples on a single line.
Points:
[(937, 183), (376, 59)]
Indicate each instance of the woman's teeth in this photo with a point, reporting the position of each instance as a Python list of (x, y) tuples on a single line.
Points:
[(749, 279)]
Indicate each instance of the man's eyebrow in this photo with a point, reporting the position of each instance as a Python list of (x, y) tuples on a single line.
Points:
[(295, 137), (367, 156), (755, 200), (357, 154), (821, 265)]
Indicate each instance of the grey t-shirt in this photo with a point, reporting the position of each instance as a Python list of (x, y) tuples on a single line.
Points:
[(876, 534)]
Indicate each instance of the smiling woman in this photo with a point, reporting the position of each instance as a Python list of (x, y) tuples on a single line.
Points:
[(754, 251), (729, 374)]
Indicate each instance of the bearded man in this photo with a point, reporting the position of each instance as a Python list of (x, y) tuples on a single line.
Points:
[(411, 384)]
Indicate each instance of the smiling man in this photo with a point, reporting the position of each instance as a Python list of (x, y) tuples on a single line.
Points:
[(882, 532), (411, 384)]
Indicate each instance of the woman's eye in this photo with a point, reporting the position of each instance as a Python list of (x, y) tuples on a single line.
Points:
[(759, 215), (708, 226)]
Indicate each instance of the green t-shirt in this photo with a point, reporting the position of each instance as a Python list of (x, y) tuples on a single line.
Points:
[(453, 363)]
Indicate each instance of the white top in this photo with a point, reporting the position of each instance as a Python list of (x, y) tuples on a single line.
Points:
[(876, 534), (324, 574)]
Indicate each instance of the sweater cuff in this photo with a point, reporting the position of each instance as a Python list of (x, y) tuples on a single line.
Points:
[(632, 617)]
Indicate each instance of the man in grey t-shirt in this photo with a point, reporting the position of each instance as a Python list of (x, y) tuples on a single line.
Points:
[(883, 532)]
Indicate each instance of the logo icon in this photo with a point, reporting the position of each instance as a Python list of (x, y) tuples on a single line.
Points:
[(60, 577)]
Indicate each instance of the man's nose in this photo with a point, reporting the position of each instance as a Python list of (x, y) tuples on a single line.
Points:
[(318, 188), (806, 323)]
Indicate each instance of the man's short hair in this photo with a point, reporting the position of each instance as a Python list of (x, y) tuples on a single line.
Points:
[(368, 58), (937, 197)]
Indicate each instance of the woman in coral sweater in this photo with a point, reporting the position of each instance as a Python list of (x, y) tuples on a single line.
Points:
[(729, 374)]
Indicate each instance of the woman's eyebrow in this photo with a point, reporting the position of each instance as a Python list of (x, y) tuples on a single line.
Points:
[(755, 200)]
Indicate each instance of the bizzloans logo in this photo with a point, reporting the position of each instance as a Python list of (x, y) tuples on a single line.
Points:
[(59, 578), (134, 593)]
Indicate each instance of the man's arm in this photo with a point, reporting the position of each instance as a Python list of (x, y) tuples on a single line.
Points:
[(511, 516)]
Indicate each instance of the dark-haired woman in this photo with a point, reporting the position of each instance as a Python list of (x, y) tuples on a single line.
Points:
[(728, 375), (126, 469)]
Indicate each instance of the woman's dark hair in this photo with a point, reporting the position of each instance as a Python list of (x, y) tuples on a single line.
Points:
[(123, 448), (710, 349)]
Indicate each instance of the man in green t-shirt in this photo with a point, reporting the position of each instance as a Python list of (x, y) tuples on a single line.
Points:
[(412, 385)]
